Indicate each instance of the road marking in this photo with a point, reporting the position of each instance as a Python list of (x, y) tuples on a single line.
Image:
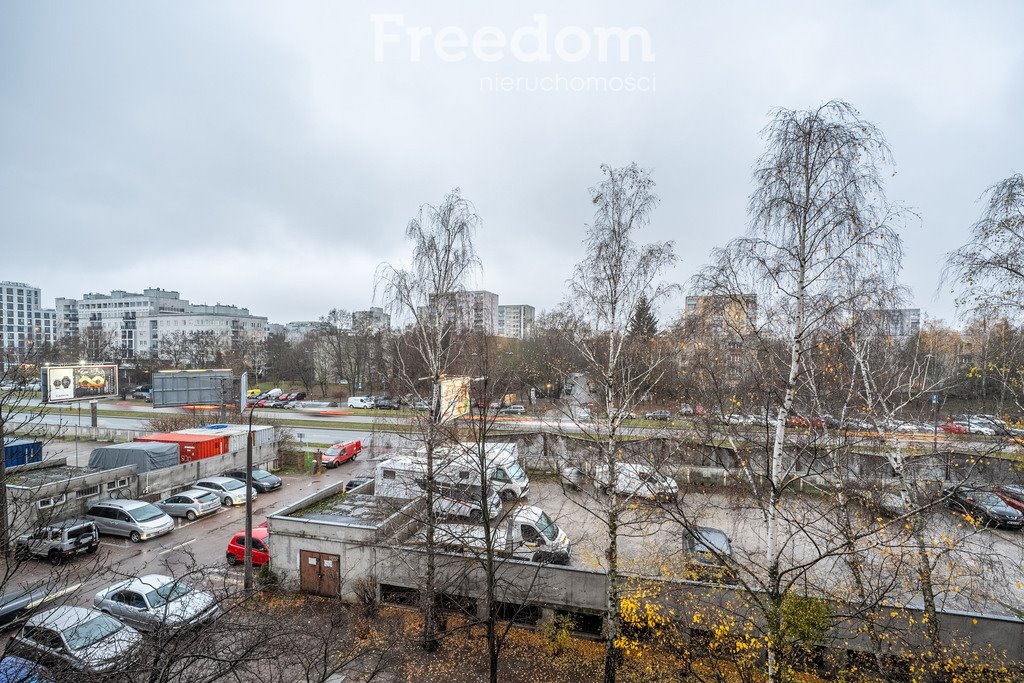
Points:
[(53, 596), (176, 547)]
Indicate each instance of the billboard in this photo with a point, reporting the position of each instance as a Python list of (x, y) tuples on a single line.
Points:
[(194, 388), (77, 382), (454, 397)]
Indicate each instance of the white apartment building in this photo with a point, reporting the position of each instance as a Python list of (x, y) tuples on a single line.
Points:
[(24, 323), (374, 320), (297, 330), (137, 323), (472, 311), (515, 321)]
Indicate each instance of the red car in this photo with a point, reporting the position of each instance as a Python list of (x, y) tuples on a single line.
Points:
[(260, 547), (341, 453), (955, 428)]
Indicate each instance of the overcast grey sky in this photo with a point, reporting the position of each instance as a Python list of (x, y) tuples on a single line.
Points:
[(270, 154)]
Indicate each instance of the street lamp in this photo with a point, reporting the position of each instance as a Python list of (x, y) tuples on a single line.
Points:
[(247, 581)]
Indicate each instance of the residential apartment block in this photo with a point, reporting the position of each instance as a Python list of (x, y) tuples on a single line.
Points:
[(515, 321), (471, 311), (137, 323), (24, 323)]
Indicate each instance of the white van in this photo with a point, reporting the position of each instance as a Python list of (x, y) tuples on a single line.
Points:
[(642, 481), (526, 533), (457, 491), (508, 479), (360, 402)]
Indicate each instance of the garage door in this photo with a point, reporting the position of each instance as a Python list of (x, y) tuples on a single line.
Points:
[(319, 573)]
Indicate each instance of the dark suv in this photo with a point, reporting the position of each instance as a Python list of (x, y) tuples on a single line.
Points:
[(387, 403), (59, 541), (985, 507)]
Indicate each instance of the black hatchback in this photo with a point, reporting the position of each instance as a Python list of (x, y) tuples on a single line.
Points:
[(262, 481)]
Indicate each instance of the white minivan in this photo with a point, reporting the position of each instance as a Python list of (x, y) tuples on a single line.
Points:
[(360, 402)]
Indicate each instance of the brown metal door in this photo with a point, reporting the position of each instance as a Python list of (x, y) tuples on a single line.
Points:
[(319, 573)]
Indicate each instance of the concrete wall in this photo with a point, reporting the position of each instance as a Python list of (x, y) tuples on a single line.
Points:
[(372, 552)]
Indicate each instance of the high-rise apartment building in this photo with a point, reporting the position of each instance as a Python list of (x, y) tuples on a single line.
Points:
[(515, 321), (373, 321), (472, 311), (24, 323)]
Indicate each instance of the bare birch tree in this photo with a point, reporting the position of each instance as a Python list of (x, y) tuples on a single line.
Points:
[(988, 271), (615, 275), (444, 257)]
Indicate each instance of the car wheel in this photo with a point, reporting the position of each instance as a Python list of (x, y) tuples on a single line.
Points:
[(93, 548), (476, 516), (135, 537), (21, 553), (232, 560), (507, 496), (228, 502), (55, 557), (191, 515)]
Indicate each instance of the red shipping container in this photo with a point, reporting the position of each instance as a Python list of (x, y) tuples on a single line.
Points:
[(192, 446)]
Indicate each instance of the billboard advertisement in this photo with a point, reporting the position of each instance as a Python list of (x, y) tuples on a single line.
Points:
[(454, 397), (77, 382), (194, 388)]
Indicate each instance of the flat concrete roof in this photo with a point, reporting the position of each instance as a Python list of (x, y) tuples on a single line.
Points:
[(49, 475), (347, 508)]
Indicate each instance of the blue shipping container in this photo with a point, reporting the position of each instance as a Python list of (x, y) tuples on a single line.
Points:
[(21, 452)]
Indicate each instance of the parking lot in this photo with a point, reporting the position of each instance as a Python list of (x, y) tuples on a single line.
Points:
[(975, 569), (194, 548)]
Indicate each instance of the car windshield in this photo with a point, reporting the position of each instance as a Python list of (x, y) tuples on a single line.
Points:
[(233, 485), (146, 513), (988, 499), (169, 592), (91, 632), (515, 471), (547, 527), (261, 474), (207, 497)]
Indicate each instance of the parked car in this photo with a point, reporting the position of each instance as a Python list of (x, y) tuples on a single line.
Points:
[(989, 508), (262, 481), (633, 479), (387, 403), (662, 415), (157, 601), (17, 605), (231, 491), (260, 547), (132, 518), (191, 504), (515, 409), (15, 669), (685, 409), (59, 541), (801, 422), (356, 482), (1012, 495), (421, 405), (77, 638), (707, 551), (143, 392), (955, 428), (341, 453)]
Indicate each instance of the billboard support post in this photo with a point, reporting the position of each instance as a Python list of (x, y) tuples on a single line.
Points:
[(93, 409)]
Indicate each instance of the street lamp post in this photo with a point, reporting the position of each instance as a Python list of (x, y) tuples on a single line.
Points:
[(247, 582)]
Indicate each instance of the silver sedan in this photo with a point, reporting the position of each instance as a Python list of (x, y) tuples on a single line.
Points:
[(191, 504), (156, 601)]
